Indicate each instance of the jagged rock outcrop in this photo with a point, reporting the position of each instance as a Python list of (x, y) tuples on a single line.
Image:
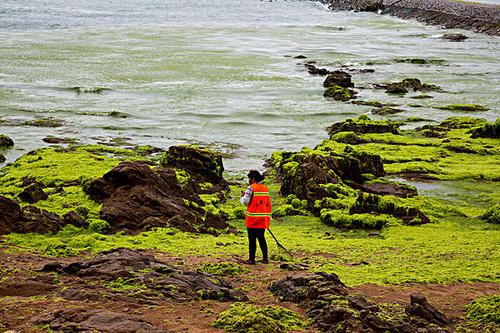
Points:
[(136, 277), (136, 197)]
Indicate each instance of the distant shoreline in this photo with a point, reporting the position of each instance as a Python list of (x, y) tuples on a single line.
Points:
[(482, 18)]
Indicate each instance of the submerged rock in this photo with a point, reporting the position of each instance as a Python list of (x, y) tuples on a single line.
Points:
[(316, 71), (409, 83), (5, 141), (454, 37), (338, 78), (308, 286)]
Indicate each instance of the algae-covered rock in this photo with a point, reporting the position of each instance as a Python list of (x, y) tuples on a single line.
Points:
[(33, 193), (463, 107), (489, 130), (203, 164), (338, 78), (386, 110), (339, 93), (363, 124), (136, 197), (308, 286), (5, 141), (410, 83), (492, 215), (371, 203), (241, 317)]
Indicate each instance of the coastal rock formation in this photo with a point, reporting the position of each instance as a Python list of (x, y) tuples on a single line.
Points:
[(338, 78), (363, 125), (132, 276), (11, 216), (478, 17), (136, 197), (308, 286), (333, 309)]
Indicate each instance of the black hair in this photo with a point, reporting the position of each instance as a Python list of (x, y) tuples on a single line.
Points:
[(255, 175)]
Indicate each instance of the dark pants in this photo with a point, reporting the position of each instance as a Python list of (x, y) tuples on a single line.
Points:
[(253, 235)]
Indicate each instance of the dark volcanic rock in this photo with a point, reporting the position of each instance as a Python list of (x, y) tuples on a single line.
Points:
[(41, 221), (5, 141), (73, 218), (338, 78), (370, 203), (33, 193), (339, 93), (29, 219), (454, 37), (308, 286), (419, 307), (316, 71), (136, 197), (84, 320), (156, 279), (11, 216)]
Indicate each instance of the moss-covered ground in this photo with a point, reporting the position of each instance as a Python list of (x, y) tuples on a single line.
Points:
[(455, 247)]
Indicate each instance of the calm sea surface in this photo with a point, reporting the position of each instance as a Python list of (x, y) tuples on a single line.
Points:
[(218, 73)]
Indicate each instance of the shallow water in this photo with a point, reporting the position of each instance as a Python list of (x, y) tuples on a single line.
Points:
[(218, 72)]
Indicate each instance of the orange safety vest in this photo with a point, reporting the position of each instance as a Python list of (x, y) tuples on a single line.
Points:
[(259, 209)]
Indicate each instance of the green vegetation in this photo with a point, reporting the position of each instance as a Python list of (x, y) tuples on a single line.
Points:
[(463, 107), (241, 317), (492, 215), (484, 310), (223, 268), (5, 141), (339, 93)]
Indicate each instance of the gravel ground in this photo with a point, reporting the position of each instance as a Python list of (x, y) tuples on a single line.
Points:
[(483, 18)]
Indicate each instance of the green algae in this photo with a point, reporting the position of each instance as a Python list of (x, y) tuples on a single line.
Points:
[(223, 268), (463, 107), (484, 310), (121, 284), (488, 130), (339, 93), (60, 250), (492, 215), (241, 317)]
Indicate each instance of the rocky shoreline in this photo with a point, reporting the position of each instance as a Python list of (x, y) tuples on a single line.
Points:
[(483, 18)]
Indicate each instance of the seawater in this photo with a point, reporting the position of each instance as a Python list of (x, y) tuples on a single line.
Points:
[(219, 73)]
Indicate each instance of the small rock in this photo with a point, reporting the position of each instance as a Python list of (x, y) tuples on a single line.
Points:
[(454, 37)]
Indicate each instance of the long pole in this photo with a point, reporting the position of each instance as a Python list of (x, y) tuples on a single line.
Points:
[(278, 243)]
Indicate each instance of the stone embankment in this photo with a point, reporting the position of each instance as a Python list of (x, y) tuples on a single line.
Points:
[(484, 18)]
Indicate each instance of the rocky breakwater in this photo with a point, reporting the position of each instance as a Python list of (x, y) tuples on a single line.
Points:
[(483, 18), (111, 190)]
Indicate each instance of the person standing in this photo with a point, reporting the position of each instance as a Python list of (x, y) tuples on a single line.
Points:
[(258, 215)]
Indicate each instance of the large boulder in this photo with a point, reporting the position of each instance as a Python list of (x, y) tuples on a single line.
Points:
[(419, 307), (11, 216), (136, 197)]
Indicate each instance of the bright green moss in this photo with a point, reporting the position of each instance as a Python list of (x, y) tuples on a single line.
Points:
[(121, 284), (60, 250), (492, 215), (223, 268), (339, 93), (98, 225), (485, 310), (241, 317), (345, 220), (182, 176)]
